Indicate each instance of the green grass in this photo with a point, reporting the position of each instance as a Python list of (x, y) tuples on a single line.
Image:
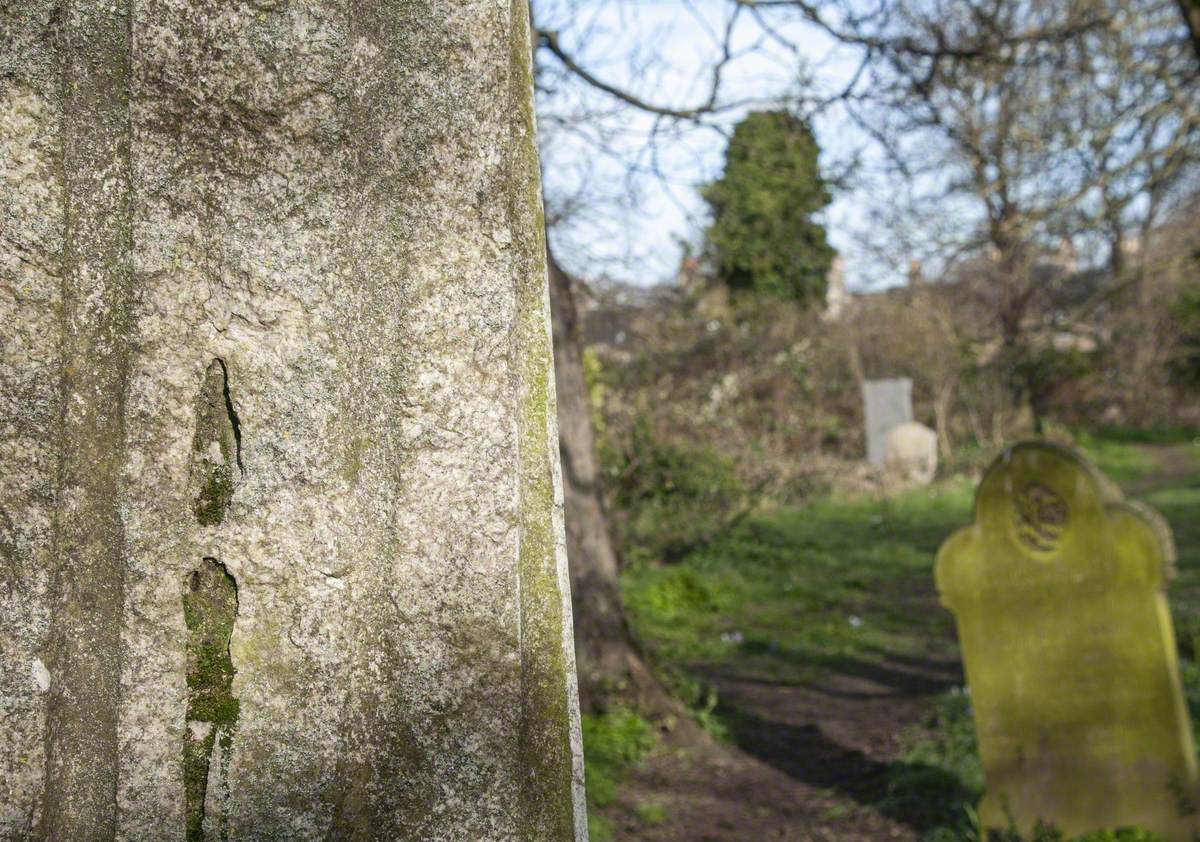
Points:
[(803, 588), (612, 743), (650, 813), (1121, 460), (1180, 506)]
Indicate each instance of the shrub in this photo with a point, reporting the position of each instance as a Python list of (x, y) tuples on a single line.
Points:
[(671, 498), (1185, 367)]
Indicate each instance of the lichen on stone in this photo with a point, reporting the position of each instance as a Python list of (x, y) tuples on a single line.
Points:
[(333, 209), (552, 804)]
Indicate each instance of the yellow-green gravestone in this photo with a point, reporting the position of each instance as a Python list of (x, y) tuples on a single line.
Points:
[(1058, 588)]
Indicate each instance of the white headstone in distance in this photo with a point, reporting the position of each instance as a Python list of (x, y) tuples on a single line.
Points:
[(886, 405)]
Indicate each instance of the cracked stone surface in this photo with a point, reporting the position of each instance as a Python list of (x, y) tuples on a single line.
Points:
[(339, 204)]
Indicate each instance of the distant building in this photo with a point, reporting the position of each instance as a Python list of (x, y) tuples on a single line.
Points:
[(837, 297)]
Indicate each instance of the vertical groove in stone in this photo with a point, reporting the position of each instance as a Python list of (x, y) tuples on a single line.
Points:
[(83, 653)]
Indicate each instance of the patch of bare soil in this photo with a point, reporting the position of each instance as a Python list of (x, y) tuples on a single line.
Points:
[(806, 762)]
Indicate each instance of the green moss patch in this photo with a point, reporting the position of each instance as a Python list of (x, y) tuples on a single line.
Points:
[(209, 612)]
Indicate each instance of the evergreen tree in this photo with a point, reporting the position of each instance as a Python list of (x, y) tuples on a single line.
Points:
[(763, 237)]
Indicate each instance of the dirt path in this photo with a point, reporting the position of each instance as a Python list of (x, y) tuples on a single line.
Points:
[(806, 760)]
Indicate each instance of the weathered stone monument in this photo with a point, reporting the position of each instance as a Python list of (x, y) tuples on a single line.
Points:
[(1059, 592), (886, 405), (281, 546), (912, 453)]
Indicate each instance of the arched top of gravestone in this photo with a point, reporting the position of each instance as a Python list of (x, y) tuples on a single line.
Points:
[(1046, 518)]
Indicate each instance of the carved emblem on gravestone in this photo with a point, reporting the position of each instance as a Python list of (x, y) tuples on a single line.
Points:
[(1039, 517), (1072, 664)]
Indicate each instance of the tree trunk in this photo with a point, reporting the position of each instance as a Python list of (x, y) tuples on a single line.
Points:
[(280, 551), (610, 666), (1191, 16), (941, 412), (1144, 356)]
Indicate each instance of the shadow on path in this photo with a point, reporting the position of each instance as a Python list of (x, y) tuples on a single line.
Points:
[(915, 794), (844, 731)]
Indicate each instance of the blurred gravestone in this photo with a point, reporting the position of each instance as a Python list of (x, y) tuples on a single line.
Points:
[(1058, 588), (912, 453), (886, 405)]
